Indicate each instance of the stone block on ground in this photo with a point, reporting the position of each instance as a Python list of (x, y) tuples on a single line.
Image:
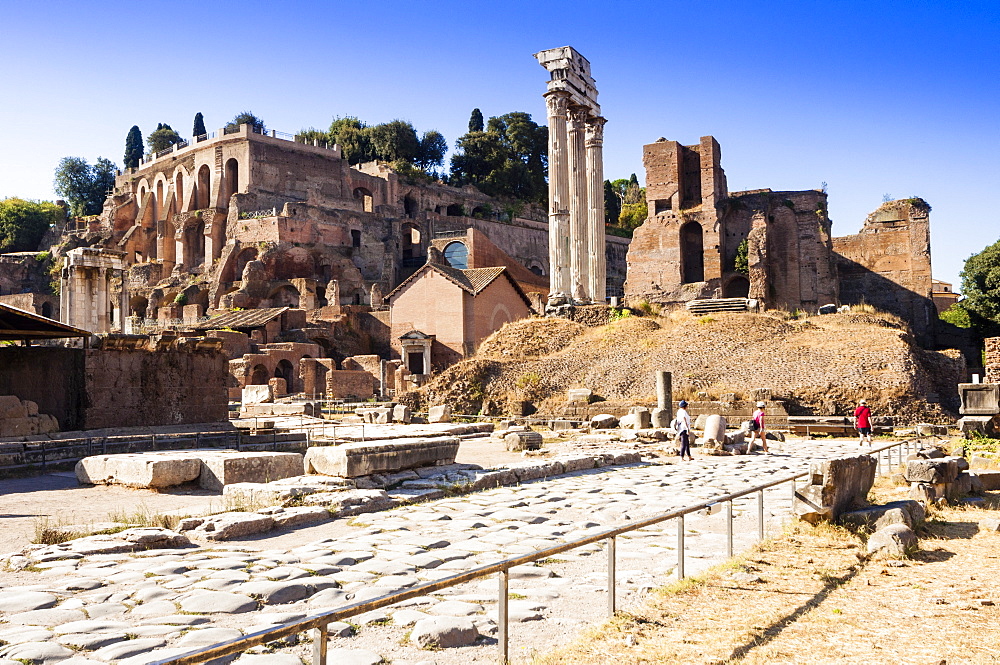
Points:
[(604, 421), (941, 470), (226, 526), (444, 632), (893, 541), (221, 468), (439, 414), (579, 395), (257, 394), (835, 486), (362, 459), (660, 418), (909, 512), (989, 478), (523, 441), (401, 414), (146, 470), (715, 428)]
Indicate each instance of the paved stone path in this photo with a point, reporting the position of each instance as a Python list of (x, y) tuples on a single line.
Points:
[(138, 608)]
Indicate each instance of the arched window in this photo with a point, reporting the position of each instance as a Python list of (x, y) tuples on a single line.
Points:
[(260, 376), (204, 187), (692, 253), (179, 189), (232, 178), (47, 310), (457, 255)]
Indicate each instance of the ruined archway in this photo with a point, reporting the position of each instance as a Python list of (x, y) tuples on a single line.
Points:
[(737, 287), (284, 370), (179, 189), (692, 253), (260, 376), (194, 244), (409, 206), (138, 305), (242, 259), (285, 296), (454, 210), (411, 242)]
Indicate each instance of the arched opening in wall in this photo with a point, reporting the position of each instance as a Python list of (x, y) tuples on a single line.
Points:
[(355, 238), (194, 244), (232, 175), (284, 370), (692, 253), (179, 189), (138, 305), (457, 255), (260, 376), (285, 296), (204, 187), (324, 344), (367, 201), (409, 206), (242, 259), (454, 210), (478, 212), (47, 310), (737, 287), (440, 210), (537, 268), (411, 242)]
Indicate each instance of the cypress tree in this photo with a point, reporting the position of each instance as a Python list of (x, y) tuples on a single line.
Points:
[(133, 148), (476, 121), (199, 126)]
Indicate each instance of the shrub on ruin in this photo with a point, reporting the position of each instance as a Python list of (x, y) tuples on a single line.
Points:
[(23, 223)]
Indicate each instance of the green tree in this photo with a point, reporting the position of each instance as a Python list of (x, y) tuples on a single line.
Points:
[(612, 204), (634, 210), (741, 263), (133, 148), (432, 150), (394, 141), (199, 126), (84, 186), (349, 133), (508, 159), (307, 136), (981, 284), (162, 138), (476, 121), (957, 316), (23, 223), (247, 118)]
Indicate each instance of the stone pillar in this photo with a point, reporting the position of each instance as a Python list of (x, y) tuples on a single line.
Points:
[(85, 294), (597, 259), (664, 389), (578, 208), (557, 103)]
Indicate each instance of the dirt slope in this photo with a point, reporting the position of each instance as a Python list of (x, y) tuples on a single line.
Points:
[(824, 363)]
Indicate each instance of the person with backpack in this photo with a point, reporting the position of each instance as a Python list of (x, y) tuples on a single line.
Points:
[(863, 422), (682, 423), (758, 428)]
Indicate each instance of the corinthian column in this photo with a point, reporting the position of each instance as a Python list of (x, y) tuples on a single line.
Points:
[(578, 251), (596, 259), (557, 103)]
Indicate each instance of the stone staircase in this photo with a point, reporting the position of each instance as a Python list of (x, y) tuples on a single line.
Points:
[(713, 305)]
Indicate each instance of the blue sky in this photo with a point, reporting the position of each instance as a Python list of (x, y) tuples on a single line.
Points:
[(872, 98)]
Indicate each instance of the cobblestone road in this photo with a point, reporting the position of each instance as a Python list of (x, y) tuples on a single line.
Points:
[(138, 608)]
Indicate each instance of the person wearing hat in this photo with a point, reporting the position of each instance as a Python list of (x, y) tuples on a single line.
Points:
[(863, 422), (757, 428), (682, 423)]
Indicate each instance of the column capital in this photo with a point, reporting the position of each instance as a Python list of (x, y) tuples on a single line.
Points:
[(595, 131), (578, 116), (557, 102)]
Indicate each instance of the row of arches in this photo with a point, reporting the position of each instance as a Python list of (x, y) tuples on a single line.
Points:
[(184, 192)]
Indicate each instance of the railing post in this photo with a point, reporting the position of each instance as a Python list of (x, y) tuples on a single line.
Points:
[(502, 617), (612, 599), (760, 514), (729, 528), (320, 642), (680, 547)]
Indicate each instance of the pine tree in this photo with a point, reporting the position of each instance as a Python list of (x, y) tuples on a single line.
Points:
[(199, 126), (476, 121), (133, 148)]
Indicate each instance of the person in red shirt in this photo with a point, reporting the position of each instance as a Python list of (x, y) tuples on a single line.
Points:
[(863, 422)]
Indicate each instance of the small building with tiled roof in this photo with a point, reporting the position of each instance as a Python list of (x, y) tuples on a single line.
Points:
[(450, 310)]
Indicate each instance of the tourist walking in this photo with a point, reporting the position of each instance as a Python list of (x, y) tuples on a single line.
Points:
[(682, 423), (758, 428), (863, 422)]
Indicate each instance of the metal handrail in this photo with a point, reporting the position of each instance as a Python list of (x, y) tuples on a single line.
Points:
[(319, 622)]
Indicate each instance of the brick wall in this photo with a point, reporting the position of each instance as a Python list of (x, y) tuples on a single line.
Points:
[(349, 383), (992, 359)]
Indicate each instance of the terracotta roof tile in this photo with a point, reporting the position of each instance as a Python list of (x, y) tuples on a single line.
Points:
[(250, 318)]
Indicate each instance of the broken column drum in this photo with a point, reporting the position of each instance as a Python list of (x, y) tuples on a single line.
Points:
[(577, 259)]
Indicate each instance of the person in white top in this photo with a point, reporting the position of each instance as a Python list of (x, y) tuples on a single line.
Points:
[(682, 423)]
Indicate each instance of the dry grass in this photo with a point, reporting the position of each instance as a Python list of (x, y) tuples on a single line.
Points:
[(821, 601)]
